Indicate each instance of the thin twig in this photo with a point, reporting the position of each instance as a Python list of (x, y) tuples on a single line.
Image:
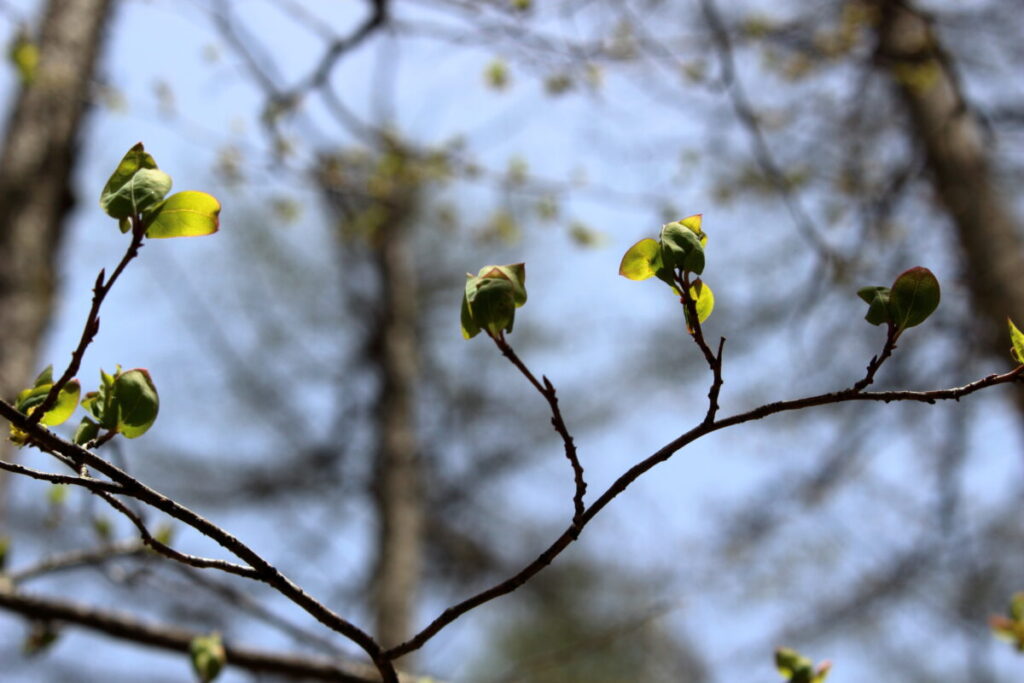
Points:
[(664, 453), (92, 321), (714, 359), (547, 390), (891, 336)]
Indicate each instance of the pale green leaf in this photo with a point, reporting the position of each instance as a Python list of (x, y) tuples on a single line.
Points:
[(185, 214)]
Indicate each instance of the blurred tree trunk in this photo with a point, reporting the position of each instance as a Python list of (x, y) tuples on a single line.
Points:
[(960, 166), (399, 559), (377, 199), (40, 148)]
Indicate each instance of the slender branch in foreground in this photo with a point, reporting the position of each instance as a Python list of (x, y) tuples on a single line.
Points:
[(92, 321), (264, 570), (876, 361), (547, 390), (126, 627), (714, 359), (667, 451)]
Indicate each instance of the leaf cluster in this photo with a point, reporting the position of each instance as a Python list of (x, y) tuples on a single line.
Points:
[(678, 251), (491, 298), (136, 194)]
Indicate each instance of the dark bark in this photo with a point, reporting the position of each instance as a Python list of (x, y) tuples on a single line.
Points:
[(40, 149), (960, 166)]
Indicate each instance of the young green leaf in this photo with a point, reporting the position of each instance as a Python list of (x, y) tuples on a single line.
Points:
[(185, 214), (641, 261), (24, 55), (493, 305), (1017, 339), (146, 188), (796, 668), (134, 160), (914, 296), (208, 656), (877, 299), (514, 273), (135, 402), (86, 431), (491, 298), (694, 223), (703, 299), (469, 327), (44, 377), (681, 248), (67, 398), (67, 401)]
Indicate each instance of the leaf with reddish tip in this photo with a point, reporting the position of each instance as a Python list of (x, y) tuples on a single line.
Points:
[(914, 296), (135, 402)]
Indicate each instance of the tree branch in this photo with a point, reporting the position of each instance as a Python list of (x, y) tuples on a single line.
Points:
[(547, 390), (167, 551), (667, 451), (92, 322), (265, 571), (126, 627)]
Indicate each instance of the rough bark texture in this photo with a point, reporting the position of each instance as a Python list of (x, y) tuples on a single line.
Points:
[(397, 482), (40, 148), (960, 166)]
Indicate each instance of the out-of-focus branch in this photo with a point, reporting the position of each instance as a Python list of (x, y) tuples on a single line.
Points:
[(747, 116), (130, 629), (76, 559), (959, 162)]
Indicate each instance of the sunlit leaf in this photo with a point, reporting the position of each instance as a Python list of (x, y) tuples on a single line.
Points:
[(67, 398), (694, 223), (641, 260), (67, 401), (788, 662), (134, 160), (704, 301), (1017, 339), (185, 214)]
